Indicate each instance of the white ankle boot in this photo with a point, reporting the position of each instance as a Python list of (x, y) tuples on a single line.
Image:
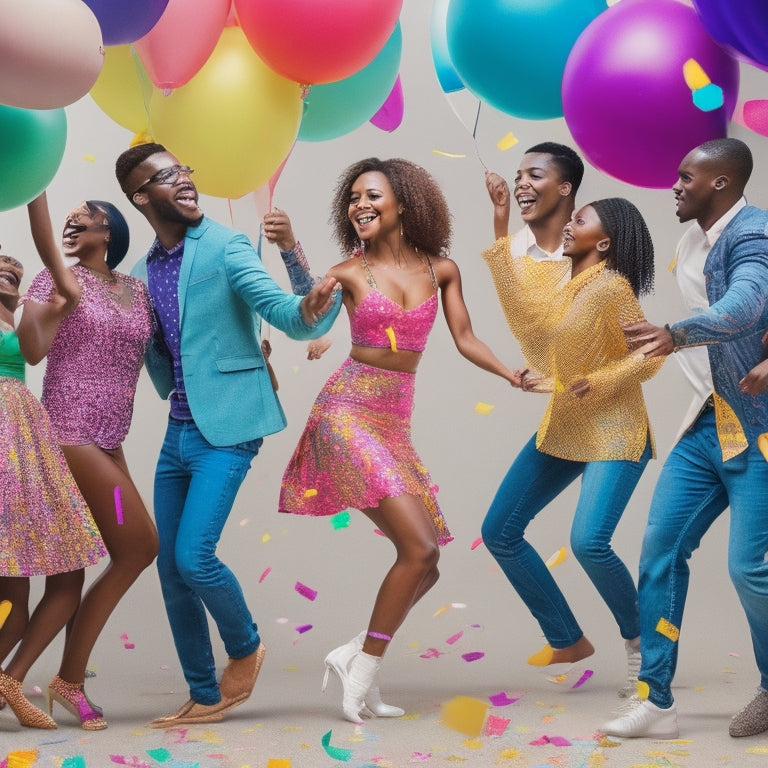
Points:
[(357, 683)]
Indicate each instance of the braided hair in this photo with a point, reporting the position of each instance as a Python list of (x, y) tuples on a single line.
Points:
[(631, 250)]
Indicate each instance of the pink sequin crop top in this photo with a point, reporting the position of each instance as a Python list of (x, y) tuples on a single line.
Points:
[(379, 321)]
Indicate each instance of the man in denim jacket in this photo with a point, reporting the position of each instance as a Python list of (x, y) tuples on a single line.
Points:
[(722, 270)]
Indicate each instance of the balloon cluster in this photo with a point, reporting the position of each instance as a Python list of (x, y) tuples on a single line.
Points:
[(224, 84), (616, 74)]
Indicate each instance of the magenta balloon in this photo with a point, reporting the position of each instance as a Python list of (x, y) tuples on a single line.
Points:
[(625, 99)]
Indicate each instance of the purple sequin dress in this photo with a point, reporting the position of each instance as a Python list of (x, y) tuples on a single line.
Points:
[(356, 448), (95, 358)]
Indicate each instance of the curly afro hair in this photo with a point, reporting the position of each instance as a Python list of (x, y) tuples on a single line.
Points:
[(426, 219)]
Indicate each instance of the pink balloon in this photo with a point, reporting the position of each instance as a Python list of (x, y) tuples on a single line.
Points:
[(755, 116), (50, 52), (175, 49), (317, 41), (625, 99), (390, 114)]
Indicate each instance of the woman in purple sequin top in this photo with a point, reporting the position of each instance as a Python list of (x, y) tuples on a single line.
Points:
[(93, 323)]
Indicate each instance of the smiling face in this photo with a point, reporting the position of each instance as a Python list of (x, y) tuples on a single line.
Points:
[(11, 272), (584, 234), (539, 187), (86, 231), (165, 186), (696, 189), (373, 207)]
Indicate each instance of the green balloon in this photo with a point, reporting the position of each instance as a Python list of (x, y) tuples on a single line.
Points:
[(32, 144), (333, 109)]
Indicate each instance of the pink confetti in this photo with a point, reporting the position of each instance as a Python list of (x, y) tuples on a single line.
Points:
[(502, 700), (473, 656), (129, 646), (417, 756), (133, 761), (733, 653), (540, 742), (305, 591), (453, 638), (379, 533), (302, 628), (118, 505), (583, 679), (495, 726), (431, 653), (477, 542), (266, 573), (559, 741)]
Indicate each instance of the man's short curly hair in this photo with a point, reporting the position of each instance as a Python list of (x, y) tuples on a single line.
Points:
[(426, 219), (131, 158)]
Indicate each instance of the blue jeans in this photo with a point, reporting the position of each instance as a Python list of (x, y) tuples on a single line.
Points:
[(531, 483), (195, 488), (695, 486)]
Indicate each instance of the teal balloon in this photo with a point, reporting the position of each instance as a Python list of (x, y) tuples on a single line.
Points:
[(334, 109), (441, 59), (32, 144), (511, 53)]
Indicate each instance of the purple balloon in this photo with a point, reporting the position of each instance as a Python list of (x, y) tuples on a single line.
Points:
[(124, 21), (742, 26), (625, 99)]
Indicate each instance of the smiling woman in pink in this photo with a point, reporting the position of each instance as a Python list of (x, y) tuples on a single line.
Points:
[(392, 219), (93, 324)]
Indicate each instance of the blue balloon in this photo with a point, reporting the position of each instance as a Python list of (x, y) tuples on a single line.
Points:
[(511, 53), (333, 109), (446, 73), (125, 21), (742, 26)]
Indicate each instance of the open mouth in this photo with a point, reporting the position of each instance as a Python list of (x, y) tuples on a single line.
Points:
[(11, 278), (525, 202)]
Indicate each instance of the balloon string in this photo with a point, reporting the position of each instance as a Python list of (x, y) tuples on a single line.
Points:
[(474, 135)]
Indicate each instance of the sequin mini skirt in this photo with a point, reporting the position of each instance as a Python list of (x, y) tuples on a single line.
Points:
[(356, 448), (45, 525)]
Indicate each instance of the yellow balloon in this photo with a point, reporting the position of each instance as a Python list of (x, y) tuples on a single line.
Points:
[(123, 89), (234, 122)]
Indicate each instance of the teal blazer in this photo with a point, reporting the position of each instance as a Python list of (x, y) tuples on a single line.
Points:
[(224, 292)]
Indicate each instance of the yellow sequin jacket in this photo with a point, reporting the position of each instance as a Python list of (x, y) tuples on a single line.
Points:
[(570, 333)]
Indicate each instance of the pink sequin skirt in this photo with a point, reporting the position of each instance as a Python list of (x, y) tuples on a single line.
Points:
[(45, 525), (356, 448)]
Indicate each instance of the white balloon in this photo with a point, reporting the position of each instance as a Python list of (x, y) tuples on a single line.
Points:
[(50, 52)]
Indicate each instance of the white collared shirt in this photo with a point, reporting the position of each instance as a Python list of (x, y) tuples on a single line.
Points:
[(524, 243), (691, 256)]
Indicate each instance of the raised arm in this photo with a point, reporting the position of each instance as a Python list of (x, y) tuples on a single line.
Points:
[(498, 191), (460, 326), (278, 230)]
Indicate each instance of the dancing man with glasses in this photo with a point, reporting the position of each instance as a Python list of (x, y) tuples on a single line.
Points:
[(210, 291)]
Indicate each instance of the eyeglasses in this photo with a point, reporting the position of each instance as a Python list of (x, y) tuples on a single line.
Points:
[(168, 175)]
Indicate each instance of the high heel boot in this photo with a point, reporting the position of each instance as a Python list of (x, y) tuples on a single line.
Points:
[(72, 697), (358, 681), (26, 712)]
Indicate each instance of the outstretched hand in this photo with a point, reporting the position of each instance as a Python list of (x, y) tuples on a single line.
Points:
[(318, 301), (655, 340), (278, 229)]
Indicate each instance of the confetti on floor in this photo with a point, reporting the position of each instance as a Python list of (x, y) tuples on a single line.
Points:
[(464, 714), (337, 753)]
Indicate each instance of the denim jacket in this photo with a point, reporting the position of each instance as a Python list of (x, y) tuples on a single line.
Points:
[(736, 274)]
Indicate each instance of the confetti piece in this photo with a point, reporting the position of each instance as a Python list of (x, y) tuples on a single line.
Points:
[(76, 761), (265, 538), (89, 158), (278, 763), (446, 154), (757, 750), (472, 656), (668, 629), (118, 505), (379, 533), (483, 408), (126, 644), (464, 714), (441, 610), (310, 492), (5, 610), (244, 521), (265, 573), (476, 543), (162, 755), (762, 444), (643, 690), (391, 336), (22, 758), (507, 142), (708, 98), (453, 638), (132, 761), (583, 679), (335, 753), (420, 756), (501, 699), (340, 520), (695, 76), (733, 653), (431, 653), (557, 557), (302, 628), (305, 591), (495, 726)]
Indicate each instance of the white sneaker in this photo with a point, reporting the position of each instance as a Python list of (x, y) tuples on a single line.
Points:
[(633, 668), (644, 719)]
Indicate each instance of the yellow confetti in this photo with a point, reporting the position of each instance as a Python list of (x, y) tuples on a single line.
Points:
[(757, 750), (89, 158), (483, 408), (695, 76), (511, 754), (5, 610), (310, 492), (278, 763), (507, 142), (557, 558), (668, 629), (473, 744), (445, 154), (464, 714), (643, 690), (391, 336), (762, 444), (25, 758), (265, 538), (440, 610)]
